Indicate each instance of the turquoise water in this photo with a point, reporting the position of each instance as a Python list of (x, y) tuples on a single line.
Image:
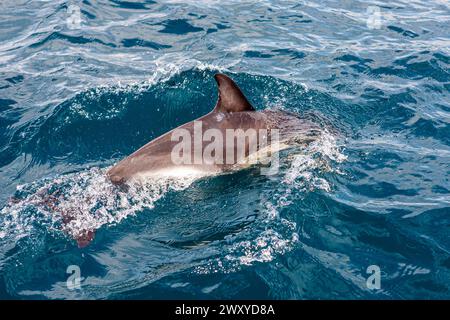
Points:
[(78, 92)]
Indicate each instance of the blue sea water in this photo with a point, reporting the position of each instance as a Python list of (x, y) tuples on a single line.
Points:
[(85, 83)]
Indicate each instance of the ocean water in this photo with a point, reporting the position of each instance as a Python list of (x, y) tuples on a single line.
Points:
[(85, 83)]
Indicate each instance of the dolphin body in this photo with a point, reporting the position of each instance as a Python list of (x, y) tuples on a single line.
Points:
[(232, 111)]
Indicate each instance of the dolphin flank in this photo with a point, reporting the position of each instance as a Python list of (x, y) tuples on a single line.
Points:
[(232, 111)]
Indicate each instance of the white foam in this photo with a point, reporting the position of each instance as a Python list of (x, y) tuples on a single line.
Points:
[(90, 200)]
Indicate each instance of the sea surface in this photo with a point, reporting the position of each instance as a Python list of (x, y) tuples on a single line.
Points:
[(85, 83)]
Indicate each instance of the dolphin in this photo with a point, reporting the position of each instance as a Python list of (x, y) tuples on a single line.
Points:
[(232, 111)]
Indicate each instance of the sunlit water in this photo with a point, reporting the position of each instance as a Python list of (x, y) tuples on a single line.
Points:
[(77, 95)]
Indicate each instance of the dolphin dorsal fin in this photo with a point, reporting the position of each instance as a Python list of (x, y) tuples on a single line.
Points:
[(231, 98)]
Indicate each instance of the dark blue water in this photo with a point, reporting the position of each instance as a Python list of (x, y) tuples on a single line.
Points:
[(85, 83)]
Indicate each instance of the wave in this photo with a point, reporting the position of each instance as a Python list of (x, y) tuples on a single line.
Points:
[(91, 201)]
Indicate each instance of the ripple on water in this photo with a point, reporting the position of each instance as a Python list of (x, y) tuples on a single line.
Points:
[(74, 100)]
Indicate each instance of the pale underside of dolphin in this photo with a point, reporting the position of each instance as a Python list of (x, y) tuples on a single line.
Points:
[(232, 111)]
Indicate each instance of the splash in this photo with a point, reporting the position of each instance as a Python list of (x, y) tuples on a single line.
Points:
[(305, 168), (83, 202)]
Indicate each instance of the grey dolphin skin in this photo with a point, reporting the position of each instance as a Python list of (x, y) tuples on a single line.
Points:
[(232, 111)]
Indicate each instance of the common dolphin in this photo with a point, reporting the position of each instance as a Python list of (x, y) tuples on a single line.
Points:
[(232, 111)]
